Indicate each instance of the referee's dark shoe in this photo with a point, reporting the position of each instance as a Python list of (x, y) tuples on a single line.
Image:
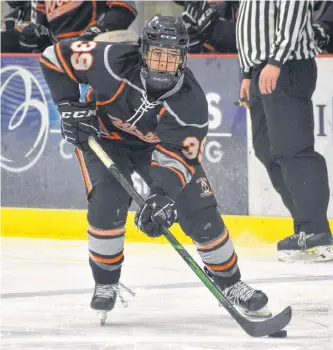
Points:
[(306, 247)]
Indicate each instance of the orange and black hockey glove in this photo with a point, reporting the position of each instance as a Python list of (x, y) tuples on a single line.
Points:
[(78, 122), (159, 210)]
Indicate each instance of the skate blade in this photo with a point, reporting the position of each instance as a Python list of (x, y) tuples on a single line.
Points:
[(316, 254), (102, 316)]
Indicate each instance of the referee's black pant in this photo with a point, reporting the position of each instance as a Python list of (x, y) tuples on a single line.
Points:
[(283, 140)]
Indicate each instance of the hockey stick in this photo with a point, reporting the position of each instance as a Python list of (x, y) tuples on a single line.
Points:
[(253, 328)]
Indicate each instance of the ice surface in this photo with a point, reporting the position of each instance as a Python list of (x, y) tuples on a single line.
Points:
[(46, 289)]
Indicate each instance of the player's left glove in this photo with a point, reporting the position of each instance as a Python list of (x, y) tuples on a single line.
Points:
[(90, 33), (159, 210), (78, 122)]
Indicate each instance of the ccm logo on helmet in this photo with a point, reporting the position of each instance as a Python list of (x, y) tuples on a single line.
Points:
[(168, 37), (78, 114)]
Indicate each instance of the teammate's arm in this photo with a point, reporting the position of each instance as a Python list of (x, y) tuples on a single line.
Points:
[(118, 16)]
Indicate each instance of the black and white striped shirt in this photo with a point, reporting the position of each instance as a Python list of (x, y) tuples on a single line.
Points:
[(274, 31)]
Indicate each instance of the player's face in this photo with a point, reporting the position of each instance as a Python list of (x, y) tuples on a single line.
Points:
[(162, 59)]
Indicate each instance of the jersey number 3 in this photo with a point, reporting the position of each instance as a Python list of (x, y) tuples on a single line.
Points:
[(81, 59)]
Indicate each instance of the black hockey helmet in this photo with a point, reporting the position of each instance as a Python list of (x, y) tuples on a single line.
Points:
[(168, 36)]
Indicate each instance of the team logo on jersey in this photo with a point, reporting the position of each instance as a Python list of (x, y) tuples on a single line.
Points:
[(57, 8), (150, 137), (24, 121), (205, 187)]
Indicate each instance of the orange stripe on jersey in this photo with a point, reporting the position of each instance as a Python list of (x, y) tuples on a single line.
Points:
[(223, 266), (40, 8), (64, 64), (92, 23), (88, 95), (83, 169), (69, 34), (94, 11), (209, 47), (177, 172), (176, 156), (113, 136), (213, 244), (115, 232), (120, 3), (50, 65), (120, 89), (106, 261), (163, 109)]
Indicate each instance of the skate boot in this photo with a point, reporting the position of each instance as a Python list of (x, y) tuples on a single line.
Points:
[(104, 299), (250, 301), (307, 247), (105, 296)]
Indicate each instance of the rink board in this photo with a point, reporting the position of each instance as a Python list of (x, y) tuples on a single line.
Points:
[(72, 224)]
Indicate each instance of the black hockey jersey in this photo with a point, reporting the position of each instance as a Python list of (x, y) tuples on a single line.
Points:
[(68, 18), (176, 124)]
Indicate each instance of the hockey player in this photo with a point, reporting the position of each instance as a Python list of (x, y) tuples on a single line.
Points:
[(53, 21), (153, 119), (13, 24)]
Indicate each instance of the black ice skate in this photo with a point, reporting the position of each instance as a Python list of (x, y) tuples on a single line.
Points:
[(307, 247), (252, 302), (104, 298)]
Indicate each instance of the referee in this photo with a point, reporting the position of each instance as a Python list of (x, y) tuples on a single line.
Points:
[(276, 51)]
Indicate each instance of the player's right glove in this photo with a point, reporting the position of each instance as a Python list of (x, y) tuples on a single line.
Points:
[(78, 122), (159, 210), (34, 37)]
